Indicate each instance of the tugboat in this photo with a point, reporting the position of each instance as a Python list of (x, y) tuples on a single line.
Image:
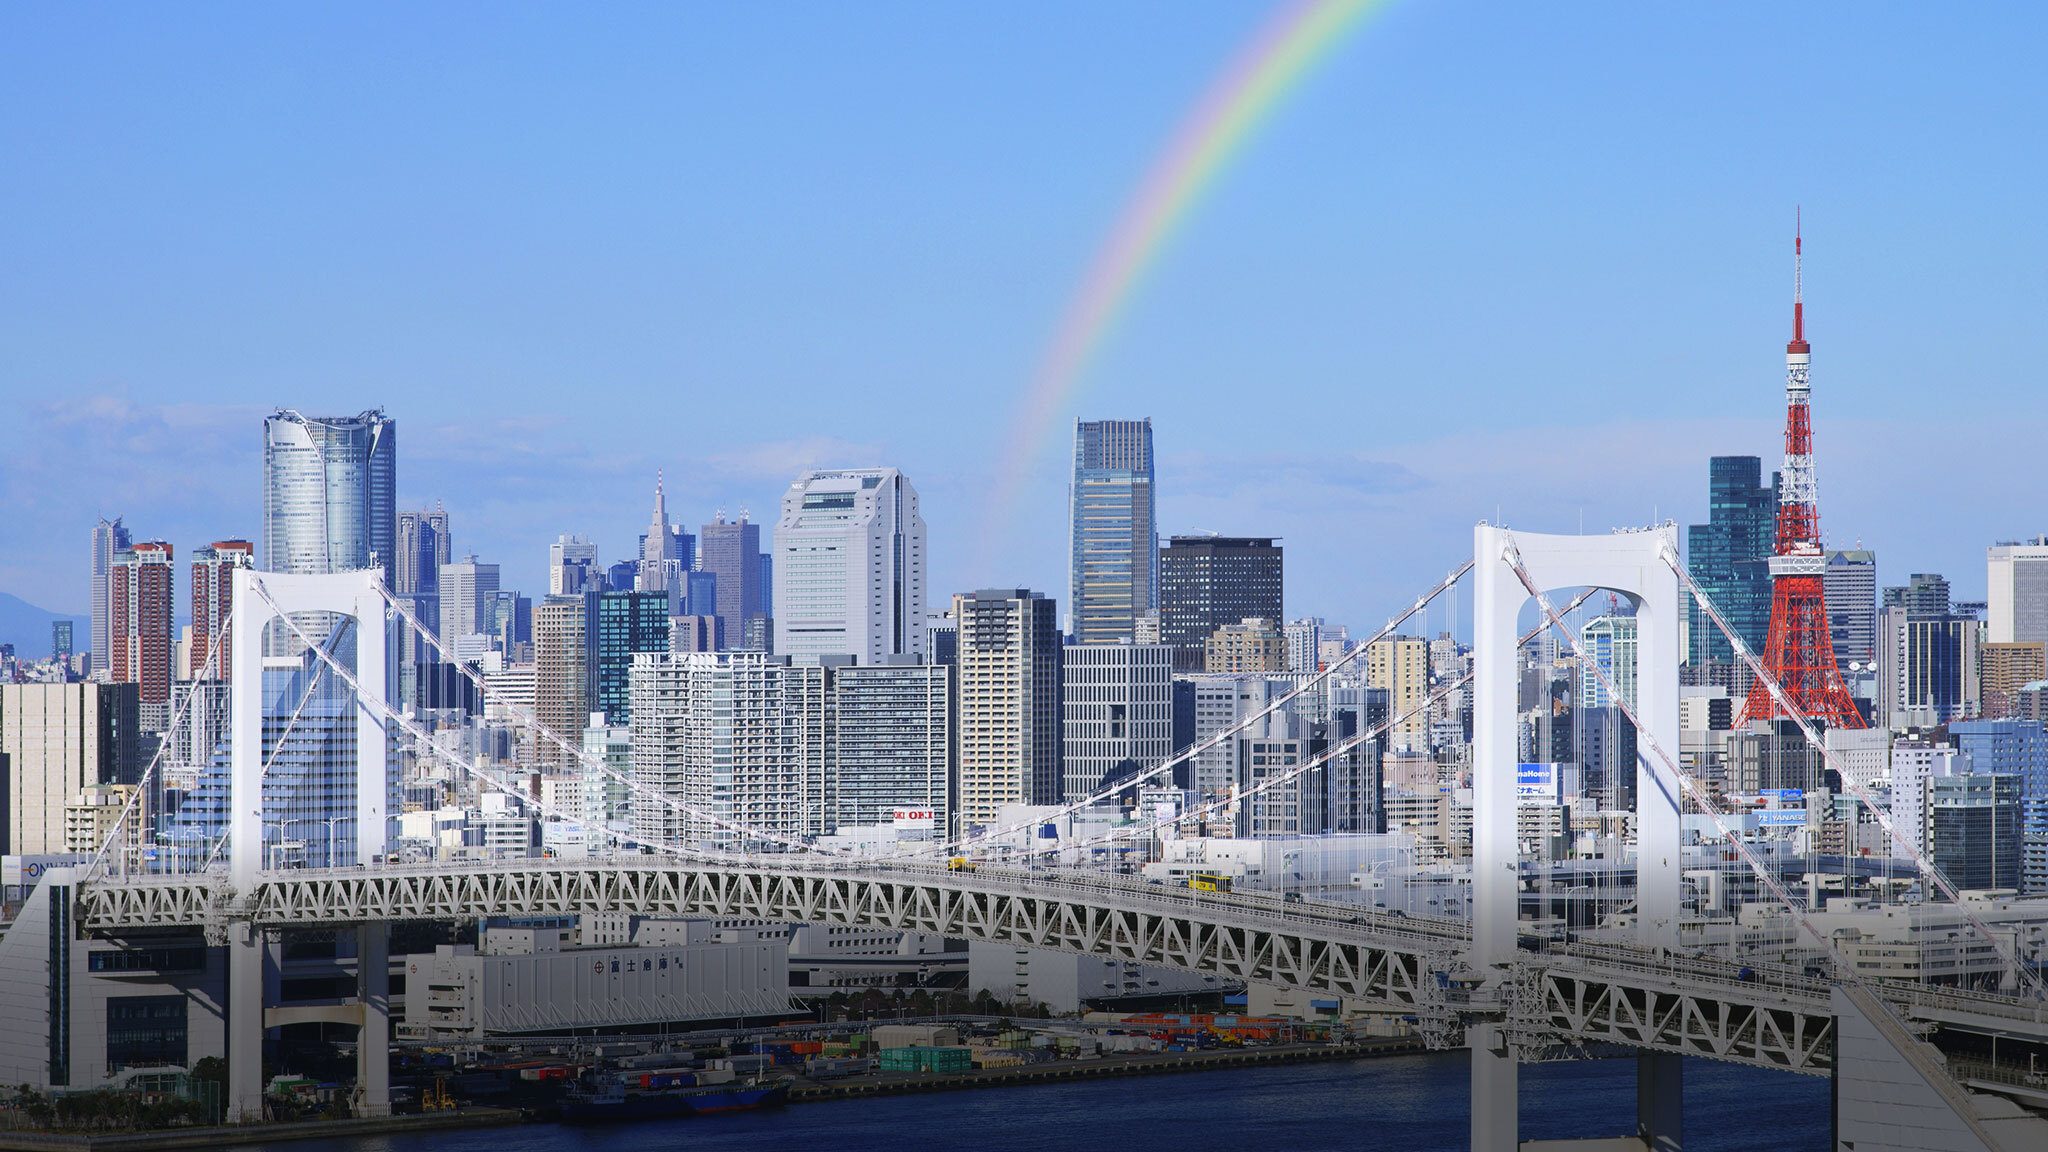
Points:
[(601, 1097)]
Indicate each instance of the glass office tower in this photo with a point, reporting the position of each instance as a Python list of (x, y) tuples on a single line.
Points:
[(1114, 546), (1729, 557), (329, 493)]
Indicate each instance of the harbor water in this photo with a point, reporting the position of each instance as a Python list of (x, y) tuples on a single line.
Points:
[(1386, 1104)]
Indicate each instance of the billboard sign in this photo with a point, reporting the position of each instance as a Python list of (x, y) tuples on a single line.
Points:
[(1782, 794), (27, 871), (1536, 783), (1781, 818)]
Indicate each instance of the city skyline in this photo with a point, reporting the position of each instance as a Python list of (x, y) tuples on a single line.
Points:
[(1327, 268)]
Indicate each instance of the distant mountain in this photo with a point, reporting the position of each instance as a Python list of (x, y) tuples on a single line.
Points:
[(27, 627)]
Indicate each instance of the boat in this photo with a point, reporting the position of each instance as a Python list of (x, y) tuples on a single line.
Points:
[(612, 1100)]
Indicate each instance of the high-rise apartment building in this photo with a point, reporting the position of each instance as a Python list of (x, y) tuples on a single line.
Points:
[(57, 740), (731, 550), (564, 668), (1610, 642), (720, 733), (607, 792), (1206, 582), (2018, 592), (1850, 584), (213, 596), (1116, 713), (1400, 665), (469, 590), (329, 491), (1729, 558), (852, 570), (2008, 668), (141, 610), (1008, 725), (1255, 644), (572, 566), (1304, 644), (1113, 543), (628, 623), (109, 538), (893, 748)]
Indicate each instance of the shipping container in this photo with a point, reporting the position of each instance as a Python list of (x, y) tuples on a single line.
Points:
[(926, 1059)]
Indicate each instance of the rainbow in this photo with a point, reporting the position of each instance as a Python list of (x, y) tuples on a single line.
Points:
[(1261, 75)]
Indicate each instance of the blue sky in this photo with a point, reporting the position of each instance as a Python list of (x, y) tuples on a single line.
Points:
[(1525, 260)]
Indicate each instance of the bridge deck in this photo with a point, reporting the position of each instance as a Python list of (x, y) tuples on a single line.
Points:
[(1574, 997)]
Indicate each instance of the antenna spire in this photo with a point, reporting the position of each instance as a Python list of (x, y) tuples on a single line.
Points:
[(1798, 343)]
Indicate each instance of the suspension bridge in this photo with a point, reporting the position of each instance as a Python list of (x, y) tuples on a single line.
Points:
[(1478, 983)]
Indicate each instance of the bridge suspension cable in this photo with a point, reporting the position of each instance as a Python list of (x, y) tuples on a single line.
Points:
[(277, 745), (389, 715), (1934, 875), (965, 843), (130, 809), (591, 760), (1347, 746)]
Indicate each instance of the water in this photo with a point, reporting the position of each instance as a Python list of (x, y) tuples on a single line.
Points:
[(1392, 1104)]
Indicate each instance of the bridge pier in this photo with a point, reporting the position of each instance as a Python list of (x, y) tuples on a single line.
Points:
[(1630, 563), (245, 1023), (373, 1043), (1660, 1100), (1496, 1090)]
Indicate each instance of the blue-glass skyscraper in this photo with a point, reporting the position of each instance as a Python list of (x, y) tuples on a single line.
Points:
[(627, 622), (1114, 543), (1729, 557)]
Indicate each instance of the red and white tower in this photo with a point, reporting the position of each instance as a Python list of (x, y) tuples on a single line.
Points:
[(1799, 652)]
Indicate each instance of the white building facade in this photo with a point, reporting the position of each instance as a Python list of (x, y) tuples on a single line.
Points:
[(849, 569)]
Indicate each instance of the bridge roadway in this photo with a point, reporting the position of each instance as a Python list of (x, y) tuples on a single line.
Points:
[(1559, 1000)]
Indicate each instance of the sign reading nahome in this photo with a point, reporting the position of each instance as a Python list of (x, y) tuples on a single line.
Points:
[(1536, 783)]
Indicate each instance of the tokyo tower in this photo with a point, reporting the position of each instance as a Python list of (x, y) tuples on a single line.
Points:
[(1799, 651)]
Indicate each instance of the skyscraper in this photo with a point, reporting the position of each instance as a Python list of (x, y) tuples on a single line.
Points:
[(468, 591), (1206, 582), (1729, 558), (1851, 584), (2018, 584), (141, 609), (894, 741), (731, 550), (1929, 659), (1113, 546), (1610, 641), (213, 583), (423, 546), (58, 739), (1400, 665), (572, 566), (1116, 713), (1007, 734), (853, 566), (329, 492), (108, 538), (564, 668), (661, 563), (721, 733), (628, 623)]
